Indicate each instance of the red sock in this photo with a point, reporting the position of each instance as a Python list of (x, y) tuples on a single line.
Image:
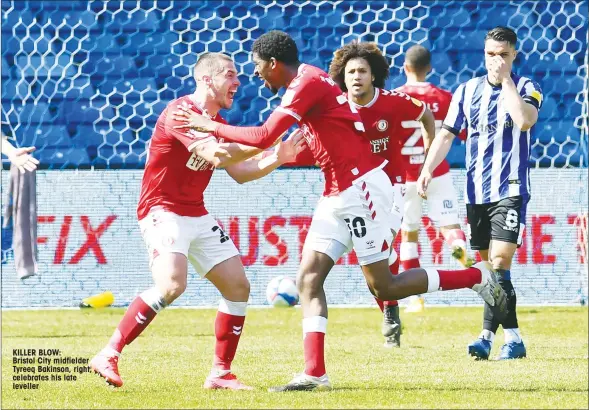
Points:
[(314, 354), (137, 317), (380, 304), (410, 264), (459, 279), (228, 329)]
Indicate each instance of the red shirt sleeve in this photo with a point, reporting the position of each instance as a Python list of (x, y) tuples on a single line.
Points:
[(410, 108), (188, 137), (259, 137), (302, 94)]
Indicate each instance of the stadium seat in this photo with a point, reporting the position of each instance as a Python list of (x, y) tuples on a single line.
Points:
[(42, 135), (57, 157), (88, 112), (14, 88), (36, 113), (140, 20), (89, 136), (46, 66), (65, 88), (86, 18), (21, 21), (115, 66), (457, 156), (6, 71), (549, 109)]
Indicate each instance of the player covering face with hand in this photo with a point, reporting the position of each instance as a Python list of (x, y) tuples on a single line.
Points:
[(177, 227), (355, 209)]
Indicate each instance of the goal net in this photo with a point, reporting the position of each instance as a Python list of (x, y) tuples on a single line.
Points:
[(84, 82)]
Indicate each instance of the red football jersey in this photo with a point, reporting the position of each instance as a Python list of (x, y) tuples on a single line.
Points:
[(383, 118), (332, 128), (175, 178), (413, 153)]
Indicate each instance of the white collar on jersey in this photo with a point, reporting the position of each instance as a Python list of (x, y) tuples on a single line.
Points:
[(202, 109), (371, 103)]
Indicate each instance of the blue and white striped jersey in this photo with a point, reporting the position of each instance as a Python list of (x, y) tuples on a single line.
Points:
[(497, 150)]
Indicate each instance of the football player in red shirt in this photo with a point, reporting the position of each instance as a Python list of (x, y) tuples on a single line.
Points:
[(177, 228), (355, 210), (360, 69), (441, 199), (441, 195)]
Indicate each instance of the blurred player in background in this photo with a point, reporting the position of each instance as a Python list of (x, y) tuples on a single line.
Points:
[(360, 69), (355, 209), (499, 111), (178, 229), (441, 195)]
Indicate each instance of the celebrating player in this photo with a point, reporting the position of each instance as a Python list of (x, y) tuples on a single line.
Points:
[(178, 229), (360, 69), (499, 110), (355, 210)]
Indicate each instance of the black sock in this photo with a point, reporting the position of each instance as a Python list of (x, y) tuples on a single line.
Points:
[(510, 322)]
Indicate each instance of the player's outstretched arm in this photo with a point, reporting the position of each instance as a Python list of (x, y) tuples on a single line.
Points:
[(222, 155), (263, 136), (267, 161)]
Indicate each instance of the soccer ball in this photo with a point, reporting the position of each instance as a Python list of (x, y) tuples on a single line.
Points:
[(282, 292)]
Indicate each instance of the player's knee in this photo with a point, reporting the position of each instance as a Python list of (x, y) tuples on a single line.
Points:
[(241, 289), (173, 289), (308, 282), (501, 260)]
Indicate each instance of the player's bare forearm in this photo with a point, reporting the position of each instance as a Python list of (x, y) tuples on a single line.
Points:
[(237, 152), (428, 128), (438, 150), (524, 115), (254, 168)]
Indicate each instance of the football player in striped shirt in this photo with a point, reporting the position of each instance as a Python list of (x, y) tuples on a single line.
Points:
[(499, 110)]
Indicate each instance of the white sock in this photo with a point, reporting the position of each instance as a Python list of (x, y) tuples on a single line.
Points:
[(108, 351), (409, 251), (433, 280), (154, 299), (314, 324), (512, 335), (487, 335), (232, 308), (215, 372)]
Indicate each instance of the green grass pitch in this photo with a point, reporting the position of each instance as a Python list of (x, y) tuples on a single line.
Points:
[(166, 366)]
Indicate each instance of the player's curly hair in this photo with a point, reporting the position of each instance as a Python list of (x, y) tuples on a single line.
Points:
[(370, 52), (277, 44)]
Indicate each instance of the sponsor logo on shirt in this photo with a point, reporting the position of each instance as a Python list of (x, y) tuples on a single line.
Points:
[(379, 145)]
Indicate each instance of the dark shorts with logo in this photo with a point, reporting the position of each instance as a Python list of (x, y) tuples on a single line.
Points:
[(503, 221)]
